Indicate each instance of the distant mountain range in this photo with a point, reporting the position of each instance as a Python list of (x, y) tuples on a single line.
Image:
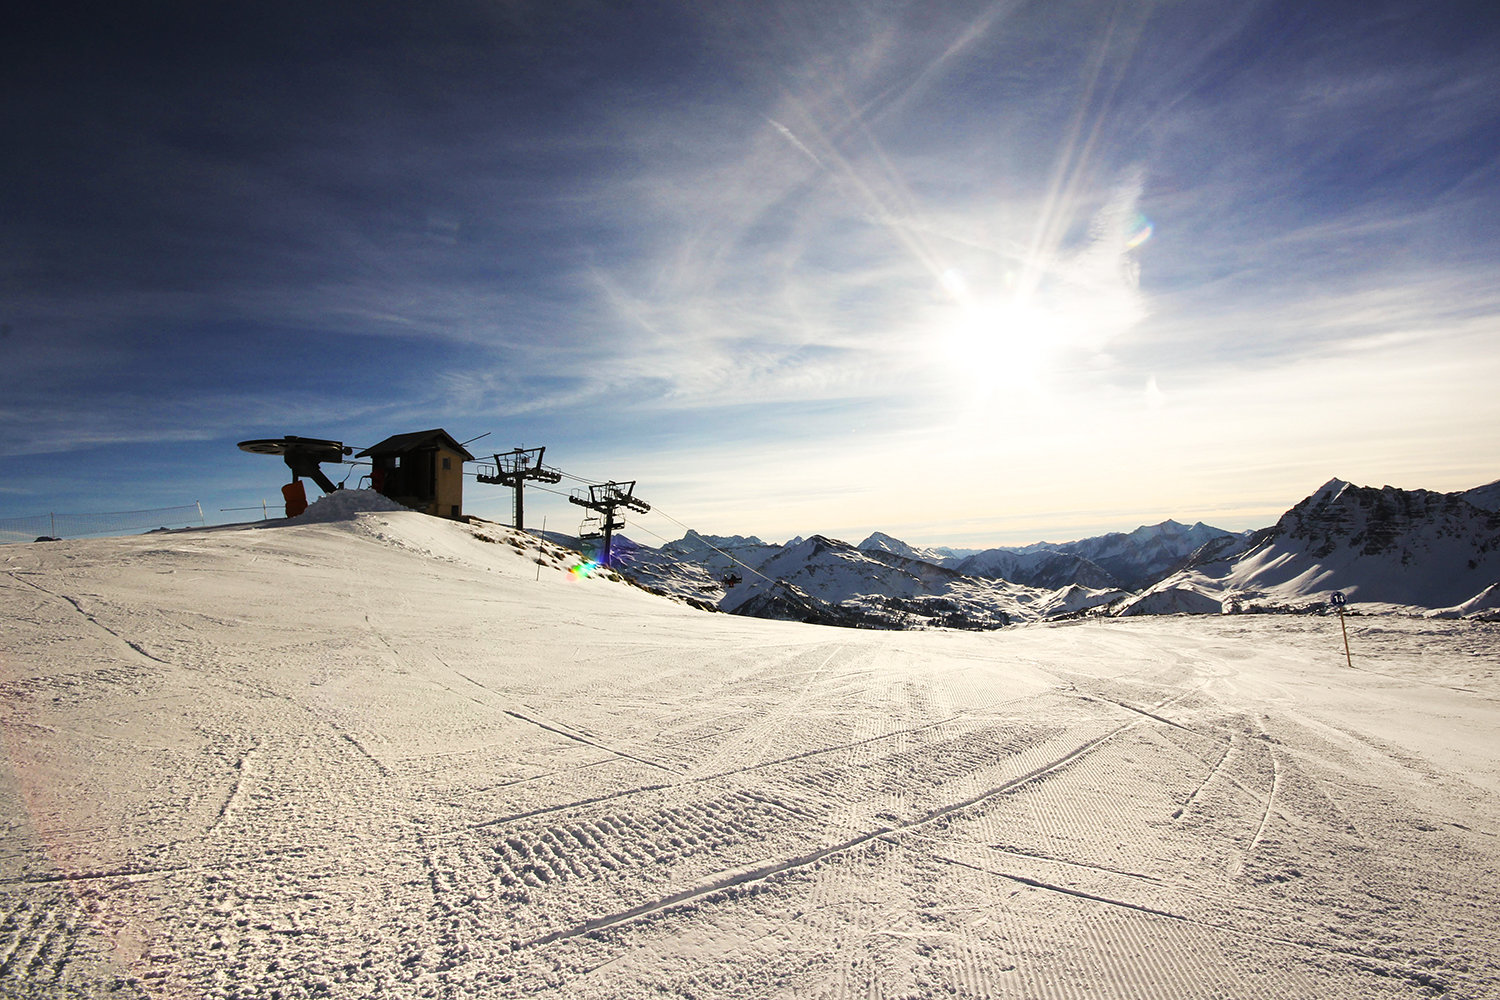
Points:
[(1391, 550)]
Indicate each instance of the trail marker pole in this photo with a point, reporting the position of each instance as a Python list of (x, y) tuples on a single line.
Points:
[(1337, 600), (543, 540)]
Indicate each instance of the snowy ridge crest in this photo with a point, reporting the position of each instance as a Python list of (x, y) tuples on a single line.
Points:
[(1398, 550)]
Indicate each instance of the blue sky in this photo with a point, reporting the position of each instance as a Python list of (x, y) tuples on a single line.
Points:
[(968, 273)]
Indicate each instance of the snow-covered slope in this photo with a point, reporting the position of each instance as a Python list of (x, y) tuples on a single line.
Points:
[(397, 757), (390, 756), (1485, 497), (343, 505), (656, 571), (1387, 548), (1074, 599)]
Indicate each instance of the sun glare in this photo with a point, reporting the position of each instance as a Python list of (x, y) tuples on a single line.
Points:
[(1018, 339), (1002, 344)]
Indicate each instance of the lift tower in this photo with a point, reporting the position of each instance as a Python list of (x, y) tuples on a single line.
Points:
[(514, 468), (607, 499)]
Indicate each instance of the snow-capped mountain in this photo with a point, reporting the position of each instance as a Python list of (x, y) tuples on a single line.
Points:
[(944, 556), (1130, 560), (693, 568), (1141, 557), (1392, 548), (1043, 568), (884, 588), (721, 553), (786, 602), (1386, 548), (1485, 497), (885, 582), (875, 585)]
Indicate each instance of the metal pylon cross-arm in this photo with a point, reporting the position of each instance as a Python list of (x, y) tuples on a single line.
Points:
[(607, 496), (607, 499), (514, 469)]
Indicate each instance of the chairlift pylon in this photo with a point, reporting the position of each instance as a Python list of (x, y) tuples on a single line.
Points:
[(606, 499)]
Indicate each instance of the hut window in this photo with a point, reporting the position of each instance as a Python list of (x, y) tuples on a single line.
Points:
[(447, 462)]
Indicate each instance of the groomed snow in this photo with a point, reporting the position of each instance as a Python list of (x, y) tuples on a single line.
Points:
[(384, 755)]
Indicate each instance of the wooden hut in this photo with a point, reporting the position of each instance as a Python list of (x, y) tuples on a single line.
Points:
[(423, 470)]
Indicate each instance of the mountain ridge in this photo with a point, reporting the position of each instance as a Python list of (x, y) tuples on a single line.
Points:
[(1389, 549)]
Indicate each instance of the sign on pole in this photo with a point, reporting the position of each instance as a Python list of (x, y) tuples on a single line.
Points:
[(1337, 600)]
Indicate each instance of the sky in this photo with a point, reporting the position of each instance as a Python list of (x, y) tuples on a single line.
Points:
[(968, 273)]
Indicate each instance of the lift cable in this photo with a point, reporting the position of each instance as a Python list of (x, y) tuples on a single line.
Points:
[(669, 517), (726, 555), (656, 510)]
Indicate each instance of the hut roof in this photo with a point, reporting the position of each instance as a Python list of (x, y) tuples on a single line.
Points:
[(398, 444)]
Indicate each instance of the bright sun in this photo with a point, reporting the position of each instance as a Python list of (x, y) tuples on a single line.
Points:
[(1003, 344), (1015, 341)]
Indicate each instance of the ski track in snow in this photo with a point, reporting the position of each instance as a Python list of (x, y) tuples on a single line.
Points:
[(381, 758)]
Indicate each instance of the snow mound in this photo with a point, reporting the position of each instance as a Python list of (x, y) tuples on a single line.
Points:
[(1073, 598), (1174, 600), (342, 505)]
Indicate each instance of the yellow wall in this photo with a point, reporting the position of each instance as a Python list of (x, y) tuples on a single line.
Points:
[(450, 484)]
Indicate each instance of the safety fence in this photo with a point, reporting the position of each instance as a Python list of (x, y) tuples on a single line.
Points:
[(125, 522)]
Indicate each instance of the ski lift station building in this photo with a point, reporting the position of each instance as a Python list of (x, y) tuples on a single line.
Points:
[(423, 470)]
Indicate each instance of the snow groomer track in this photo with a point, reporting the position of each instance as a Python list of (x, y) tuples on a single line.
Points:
[(396, 757)]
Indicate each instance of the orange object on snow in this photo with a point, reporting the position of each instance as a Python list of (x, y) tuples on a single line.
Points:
[(295, 495)]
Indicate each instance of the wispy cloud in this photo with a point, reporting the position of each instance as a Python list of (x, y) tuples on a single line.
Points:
[(1043, 246)]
